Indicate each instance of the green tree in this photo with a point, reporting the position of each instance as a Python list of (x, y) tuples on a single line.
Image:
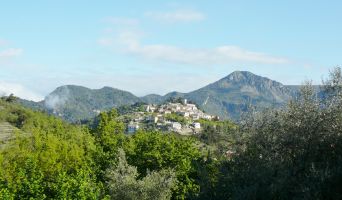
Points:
[(109, 134), (11, 98), (332, 87), (124, 183), (43, 151), (176, 118), (292, 153), (156, 151)]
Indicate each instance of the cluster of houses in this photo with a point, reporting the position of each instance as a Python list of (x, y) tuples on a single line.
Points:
[(184, 109), (157, 115)]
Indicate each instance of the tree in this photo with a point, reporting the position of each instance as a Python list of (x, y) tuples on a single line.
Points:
[(109, 134), (332, 87), (124, 183), (153, 151), (46, 158), (11, 98), (295, 152)]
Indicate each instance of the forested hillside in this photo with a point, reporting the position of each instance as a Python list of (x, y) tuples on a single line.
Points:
[(290, 153)]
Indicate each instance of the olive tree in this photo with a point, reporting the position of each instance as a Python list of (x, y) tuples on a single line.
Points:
[(124, 183), (290, 153)]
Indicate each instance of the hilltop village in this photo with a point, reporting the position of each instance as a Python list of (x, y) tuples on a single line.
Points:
[(180, 117)]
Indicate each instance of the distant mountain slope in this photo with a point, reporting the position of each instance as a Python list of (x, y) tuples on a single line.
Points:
[(153, 98), (228, 97), (32, 104), (232, 95), (157, 99), (75, 103)]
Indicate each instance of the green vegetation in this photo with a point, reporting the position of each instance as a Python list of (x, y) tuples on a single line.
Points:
[(289, 153), (55, 161), (63, 161), (126, 109), (173, 117), (157, 151), (218, 136), (123, 182), (77, 104)]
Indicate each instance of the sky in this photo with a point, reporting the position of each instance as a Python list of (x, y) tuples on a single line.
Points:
[(162, 46)]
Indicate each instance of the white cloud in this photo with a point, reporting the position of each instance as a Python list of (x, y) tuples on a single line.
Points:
[(11, 52), (7, 88), (123, 21), (53, 101), (180, 15), (227, 54)]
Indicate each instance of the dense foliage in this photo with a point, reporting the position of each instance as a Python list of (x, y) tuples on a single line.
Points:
[(289, 153), (293, 153), (48, 158), (123, 182)]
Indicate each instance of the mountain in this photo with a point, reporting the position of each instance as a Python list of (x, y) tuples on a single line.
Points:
[(156, 99), (233, 94), (75, 103), (32, 104), (153, 98), (228, 97)]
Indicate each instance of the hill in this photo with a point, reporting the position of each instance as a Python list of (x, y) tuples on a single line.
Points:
[(75, 103), (228, 97), (233, 94)]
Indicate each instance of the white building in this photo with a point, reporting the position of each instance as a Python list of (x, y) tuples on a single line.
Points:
[(150, 108), (191, 106), (176, 126), (132, 127), (174, 106), (205, 116), (184, 114), (197, 125), (152, 118), (167, 112)]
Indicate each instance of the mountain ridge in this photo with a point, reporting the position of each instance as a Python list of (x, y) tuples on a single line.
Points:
[(228, 97)]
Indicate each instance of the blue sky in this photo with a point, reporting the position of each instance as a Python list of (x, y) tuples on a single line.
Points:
[(160, 46)]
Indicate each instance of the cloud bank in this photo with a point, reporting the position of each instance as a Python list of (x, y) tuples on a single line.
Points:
[(53, 101), (129, 43)]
